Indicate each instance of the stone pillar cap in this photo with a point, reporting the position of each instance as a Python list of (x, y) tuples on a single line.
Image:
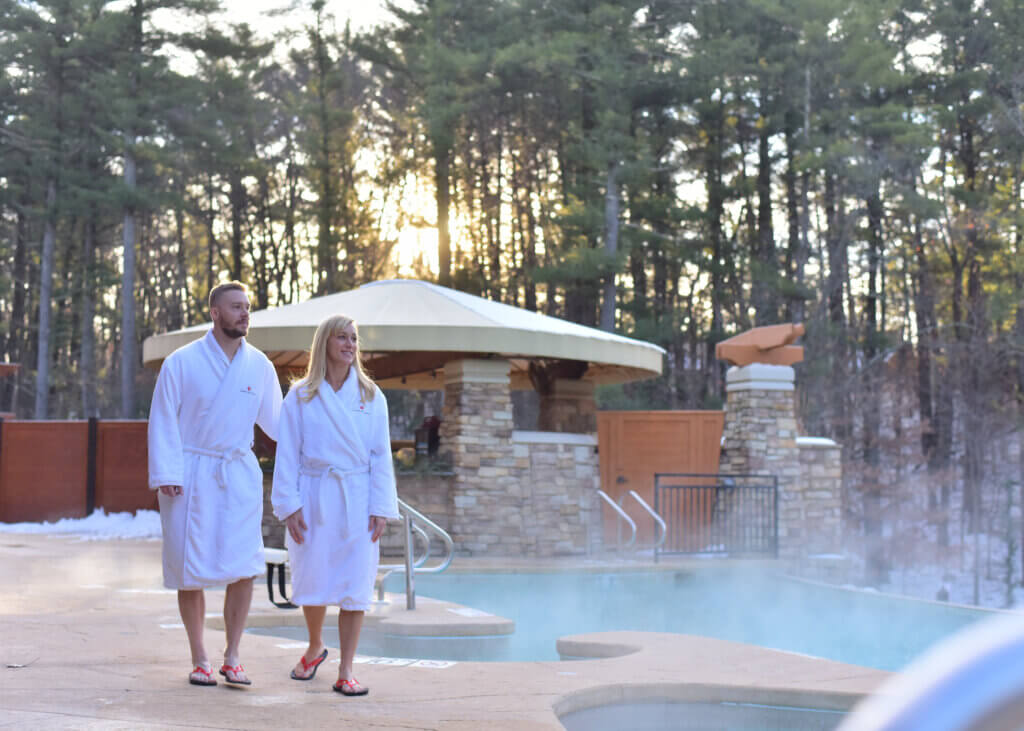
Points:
[(759, 377), (477, 370), (771, 345)]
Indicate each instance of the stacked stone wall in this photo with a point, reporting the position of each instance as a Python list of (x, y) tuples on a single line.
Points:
[(569, 408), (511, 494), (559, 502), (760, 437), (819, 494), (431, 494), (476, 431)]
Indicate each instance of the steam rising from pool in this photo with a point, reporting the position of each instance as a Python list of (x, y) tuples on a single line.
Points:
[(748, 604)]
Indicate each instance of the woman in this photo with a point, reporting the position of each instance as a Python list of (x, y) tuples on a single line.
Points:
[(334, 487)]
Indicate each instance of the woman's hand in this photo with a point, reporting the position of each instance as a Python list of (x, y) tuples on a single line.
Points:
[(296, 526), (377, 526)]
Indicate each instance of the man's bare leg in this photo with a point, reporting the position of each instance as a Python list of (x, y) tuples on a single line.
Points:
[(349, 625), (314, 626), (192, 606), (237, 599)]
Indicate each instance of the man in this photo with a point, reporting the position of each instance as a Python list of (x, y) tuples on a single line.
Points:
[(208, 396)]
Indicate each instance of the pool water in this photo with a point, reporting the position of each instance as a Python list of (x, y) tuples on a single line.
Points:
[(739, 604)]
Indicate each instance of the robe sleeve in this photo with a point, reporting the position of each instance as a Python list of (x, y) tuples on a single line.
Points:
[(270, 409), (284, 495), (166, 453), (383, 495)]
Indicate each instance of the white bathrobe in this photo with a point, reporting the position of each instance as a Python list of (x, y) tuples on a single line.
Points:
[(334, 461), (200, 437)]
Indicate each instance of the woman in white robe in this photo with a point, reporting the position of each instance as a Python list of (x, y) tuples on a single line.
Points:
[(334, 487)]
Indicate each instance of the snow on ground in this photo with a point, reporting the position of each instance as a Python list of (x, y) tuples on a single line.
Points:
[(924, 571), (98, 526)]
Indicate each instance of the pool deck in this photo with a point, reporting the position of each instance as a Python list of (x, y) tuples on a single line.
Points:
[(91, 640)]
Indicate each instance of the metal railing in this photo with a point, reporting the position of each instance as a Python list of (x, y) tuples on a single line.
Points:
[(718, 513), (412, 519), (623, 517), (660, 528)]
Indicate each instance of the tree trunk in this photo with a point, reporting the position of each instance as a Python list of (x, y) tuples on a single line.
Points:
[(530, 252), (443, 201), (794, 254), (45, 296), (611, 247), (14, 348), (764, 274), (238, 203), (870, 399), (716, 207), (128, 348), (87, 353)]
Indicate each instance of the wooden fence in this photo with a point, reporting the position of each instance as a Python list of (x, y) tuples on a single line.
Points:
[(636, 445), (66, 469)]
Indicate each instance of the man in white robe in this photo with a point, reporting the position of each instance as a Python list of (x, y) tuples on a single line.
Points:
[(208, 396)]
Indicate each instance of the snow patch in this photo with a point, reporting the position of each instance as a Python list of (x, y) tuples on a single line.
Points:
[(98, 526)]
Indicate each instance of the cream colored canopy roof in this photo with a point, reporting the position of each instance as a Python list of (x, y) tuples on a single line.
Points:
[(408, 329)]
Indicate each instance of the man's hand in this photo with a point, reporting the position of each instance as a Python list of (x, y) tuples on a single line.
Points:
[(377, 526), (170, 490), (296, 526)]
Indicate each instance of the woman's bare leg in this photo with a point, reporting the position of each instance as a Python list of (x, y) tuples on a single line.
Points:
[(349, 625)]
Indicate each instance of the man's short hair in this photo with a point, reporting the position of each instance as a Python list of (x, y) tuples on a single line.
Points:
[(225, 287)]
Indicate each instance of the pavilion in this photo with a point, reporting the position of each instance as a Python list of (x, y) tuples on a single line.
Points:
[(511, 492)]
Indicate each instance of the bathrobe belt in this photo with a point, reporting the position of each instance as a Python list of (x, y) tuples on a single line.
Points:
[(340, 477), (223, 457)]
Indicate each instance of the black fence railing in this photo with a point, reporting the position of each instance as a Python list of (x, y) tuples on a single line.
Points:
[(735, 515)]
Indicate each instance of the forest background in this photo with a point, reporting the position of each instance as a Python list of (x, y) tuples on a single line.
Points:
[(672, 170)]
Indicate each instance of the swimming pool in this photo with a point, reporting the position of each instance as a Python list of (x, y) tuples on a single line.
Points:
[(741, 604)]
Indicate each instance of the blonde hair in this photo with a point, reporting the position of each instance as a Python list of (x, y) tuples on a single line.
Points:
[(316, 369)]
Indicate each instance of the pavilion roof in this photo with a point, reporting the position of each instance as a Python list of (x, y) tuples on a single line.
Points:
[(408, 329)]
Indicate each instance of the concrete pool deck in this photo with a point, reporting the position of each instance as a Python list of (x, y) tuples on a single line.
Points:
[(91, 640)]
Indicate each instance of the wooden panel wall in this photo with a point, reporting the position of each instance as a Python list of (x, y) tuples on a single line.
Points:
[(635, 445), (122, 472), (43, 470)]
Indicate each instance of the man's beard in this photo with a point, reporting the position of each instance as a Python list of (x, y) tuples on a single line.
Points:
[(233, 332)]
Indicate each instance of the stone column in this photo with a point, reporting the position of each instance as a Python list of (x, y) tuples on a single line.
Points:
[(569, 407), (760, 438), (820, 488), (476, 431)]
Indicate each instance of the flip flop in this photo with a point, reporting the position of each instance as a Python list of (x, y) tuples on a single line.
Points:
[(231, 675), (350, 687), (315, 664), (202, 676)]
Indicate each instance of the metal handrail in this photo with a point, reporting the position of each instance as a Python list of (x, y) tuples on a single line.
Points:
[(426, 543), (410, 517), (622, 516), (658, 521)]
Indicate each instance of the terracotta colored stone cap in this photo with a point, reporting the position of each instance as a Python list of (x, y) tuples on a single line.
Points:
[(8, 368), (771, 345)]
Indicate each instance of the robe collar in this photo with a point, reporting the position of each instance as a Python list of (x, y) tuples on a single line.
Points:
[(343, 408), (349, 395), (217, 351)]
